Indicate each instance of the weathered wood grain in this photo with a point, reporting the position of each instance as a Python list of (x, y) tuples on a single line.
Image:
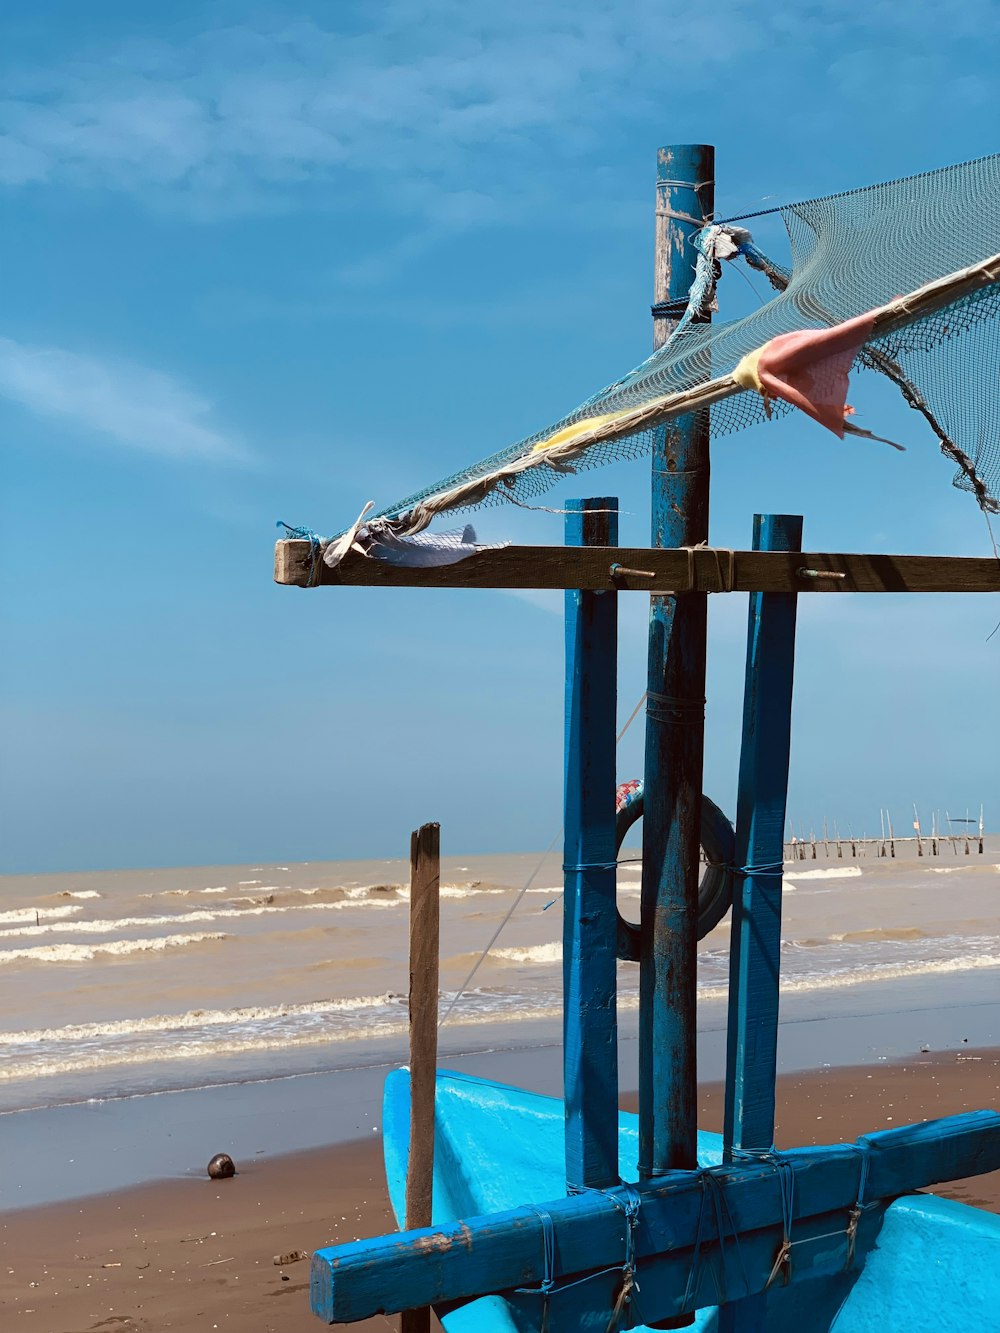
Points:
[(425, 930), (645, 569), (425, 887)]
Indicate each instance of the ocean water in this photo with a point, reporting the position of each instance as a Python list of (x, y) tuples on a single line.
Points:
[(125, 982)]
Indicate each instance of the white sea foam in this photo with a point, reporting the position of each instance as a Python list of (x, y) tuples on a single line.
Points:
[(875, 974), (530, 953), (194, 1018), (32, 915), (468, 890), (183, 918), (79, 893), (82, 1047), (834, 872), (228, 1044), (84, 953), (953, 870)]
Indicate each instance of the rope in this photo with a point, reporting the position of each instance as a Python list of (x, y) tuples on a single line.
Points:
[(770, 870), (548, 1283), (663, 181), (681, 217), (713, 1188), (674, 711), (630, 1207), (727, 576), (631, 718), (727, 581), (714, 1199), (854, 1216), (786, 1184), (527, 885), (315, 548), (496, 934)]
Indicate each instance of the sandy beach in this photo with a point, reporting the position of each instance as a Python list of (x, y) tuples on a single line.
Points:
[(165, 1016), (193, 1254)]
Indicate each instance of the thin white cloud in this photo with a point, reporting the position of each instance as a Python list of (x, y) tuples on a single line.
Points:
[(438, 104), (443, 113), (118, 400)]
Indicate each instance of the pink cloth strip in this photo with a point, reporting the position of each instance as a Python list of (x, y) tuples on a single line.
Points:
[(810, 368)]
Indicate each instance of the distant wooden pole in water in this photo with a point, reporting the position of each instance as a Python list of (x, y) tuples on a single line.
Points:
[(425, 887), (675, 710)]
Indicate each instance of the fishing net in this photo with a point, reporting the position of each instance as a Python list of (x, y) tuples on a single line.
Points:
[(849, 254)]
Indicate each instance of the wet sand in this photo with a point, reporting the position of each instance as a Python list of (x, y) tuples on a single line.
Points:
[(195, 1254)]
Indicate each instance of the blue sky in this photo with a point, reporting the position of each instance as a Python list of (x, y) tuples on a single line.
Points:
[(272, 261)]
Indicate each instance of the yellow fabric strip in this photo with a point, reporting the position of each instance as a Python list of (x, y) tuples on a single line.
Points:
[(746, 372), (570, 433)]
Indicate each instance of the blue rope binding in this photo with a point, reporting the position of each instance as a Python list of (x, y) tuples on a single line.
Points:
[(548, 1287), (315, 548), (786, 1184), (854, 1217)]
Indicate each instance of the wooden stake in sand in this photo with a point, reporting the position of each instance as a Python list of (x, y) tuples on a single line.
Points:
[(425, 885)]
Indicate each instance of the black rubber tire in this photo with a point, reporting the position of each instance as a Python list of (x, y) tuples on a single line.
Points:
[(715, 892)]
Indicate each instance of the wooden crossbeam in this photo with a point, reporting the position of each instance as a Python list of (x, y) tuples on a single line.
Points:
[(646, 569), (507, 1251)]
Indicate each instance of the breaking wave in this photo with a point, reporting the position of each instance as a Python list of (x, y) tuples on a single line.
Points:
[(833, 872), (530, 953), (34, 916), (84, 953)]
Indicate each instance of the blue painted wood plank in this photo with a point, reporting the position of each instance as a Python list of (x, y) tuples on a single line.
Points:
[(755, 939), (505, 1251), (754, 959), (674, 712), (590, 1023)]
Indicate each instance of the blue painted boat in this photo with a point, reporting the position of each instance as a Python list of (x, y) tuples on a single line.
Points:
[(928, 1262)]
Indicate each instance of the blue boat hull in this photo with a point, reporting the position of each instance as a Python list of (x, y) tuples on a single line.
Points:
[(934, 1263)]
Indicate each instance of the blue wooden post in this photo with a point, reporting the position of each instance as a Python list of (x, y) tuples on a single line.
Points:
[(590, 1022), (674, 714), (754, 958)]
